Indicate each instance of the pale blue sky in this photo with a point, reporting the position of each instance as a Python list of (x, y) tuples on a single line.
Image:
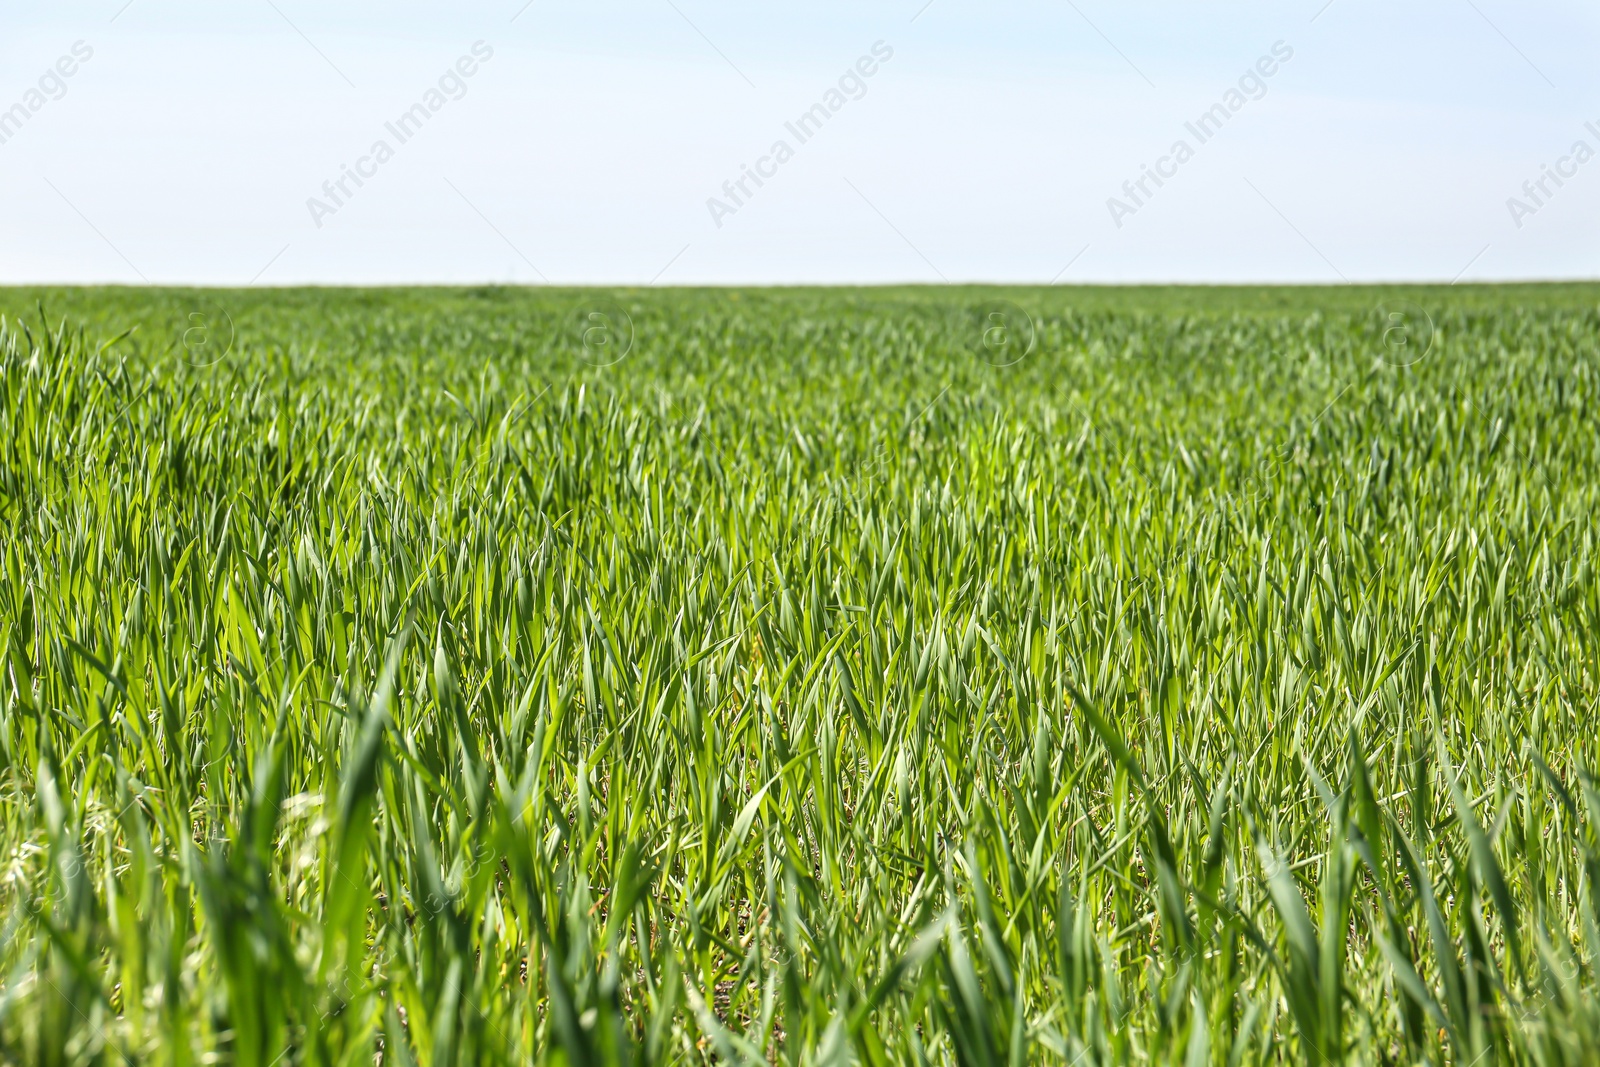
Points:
[(585, 150)]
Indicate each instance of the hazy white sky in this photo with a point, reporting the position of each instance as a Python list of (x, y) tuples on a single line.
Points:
[(190, 143)]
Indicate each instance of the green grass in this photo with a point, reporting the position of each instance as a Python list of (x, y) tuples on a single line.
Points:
[(1206, 687)]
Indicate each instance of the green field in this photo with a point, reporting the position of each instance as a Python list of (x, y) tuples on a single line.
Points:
[(1213, 682)]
